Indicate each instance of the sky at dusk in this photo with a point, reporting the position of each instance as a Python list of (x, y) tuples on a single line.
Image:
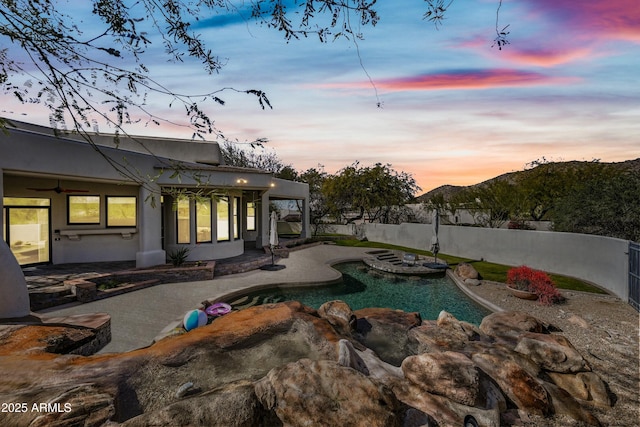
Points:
[(440, 103)]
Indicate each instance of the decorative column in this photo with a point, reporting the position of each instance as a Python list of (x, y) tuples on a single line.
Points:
[(149, 228), (13, 286), (263, 218), (306, 227)]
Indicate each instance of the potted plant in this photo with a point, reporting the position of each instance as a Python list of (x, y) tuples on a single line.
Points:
[(527, 283)]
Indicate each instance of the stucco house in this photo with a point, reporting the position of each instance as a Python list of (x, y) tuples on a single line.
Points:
[(64, 201)]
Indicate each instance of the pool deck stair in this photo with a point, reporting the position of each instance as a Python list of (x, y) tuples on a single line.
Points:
[(398, 262)]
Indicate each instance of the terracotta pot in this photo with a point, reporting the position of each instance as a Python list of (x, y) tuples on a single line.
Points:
[(522, 294)]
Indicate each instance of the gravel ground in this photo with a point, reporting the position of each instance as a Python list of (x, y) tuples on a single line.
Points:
[(604, 330)]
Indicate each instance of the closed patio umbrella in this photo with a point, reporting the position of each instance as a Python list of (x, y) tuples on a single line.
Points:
[(435, 244), (273, 242), (273, 230)]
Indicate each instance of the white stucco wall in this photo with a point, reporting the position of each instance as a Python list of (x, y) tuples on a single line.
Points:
[(600, 260)]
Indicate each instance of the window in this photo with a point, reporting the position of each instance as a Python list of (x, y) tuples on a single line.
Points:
[(83, 209), (222, 210), (121, 211), (236, 218), (203, 221), (184, 232), (251, 216)]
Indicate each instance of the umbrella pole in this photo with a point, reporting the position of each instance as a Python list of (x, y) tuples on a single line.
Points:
[(272, 259)]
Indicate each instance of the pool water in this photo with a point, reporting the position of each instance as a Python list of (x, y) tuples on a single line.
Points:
[(363, 287)]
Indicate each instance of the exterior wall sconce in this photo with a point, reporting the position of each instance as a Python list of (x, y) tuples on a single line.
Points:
[(241, 181)]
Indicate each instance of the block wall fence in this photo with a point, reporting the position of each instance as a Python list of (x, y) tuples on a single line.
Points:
[(603, 261)]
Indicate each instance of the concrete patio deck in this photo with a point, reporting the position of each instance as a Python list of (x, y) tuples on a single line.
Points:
[(138, 317)]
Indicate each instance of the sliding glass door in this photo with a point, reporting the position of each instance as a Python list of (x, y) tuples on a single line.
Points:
[(27, 230)]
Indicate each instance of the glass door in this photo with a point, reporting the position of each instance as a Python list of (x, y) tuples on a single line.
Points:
[(27, 230)]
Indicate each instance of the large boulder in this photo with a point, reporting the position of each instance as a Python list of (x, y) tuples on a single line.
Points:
[(444, 334), (552, 352), (322, 392), (564, 404), (584, 386), (340, 315), (464, 270), (511, 324), (447, 374), (517, 384), (230, 405), (384, 330)]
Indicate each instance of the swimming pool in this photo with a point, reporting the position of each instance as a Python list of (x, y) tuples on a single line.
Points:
[(363, 287)]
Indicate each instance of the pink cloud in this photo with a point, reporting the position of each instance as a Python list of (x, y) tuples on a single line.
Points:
[(541, 57), (462, 79), (616, 19), (545, 57)]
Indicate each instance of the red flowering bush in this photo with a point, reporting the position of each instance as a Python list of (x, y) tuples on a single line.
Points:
[(527, 279)]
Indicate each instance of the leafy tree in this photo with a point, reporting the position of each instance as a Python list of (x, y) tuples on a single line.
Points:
[(373, 191), (491, 203), (606, 204), (546, 182), (252, 156), (318, 206)]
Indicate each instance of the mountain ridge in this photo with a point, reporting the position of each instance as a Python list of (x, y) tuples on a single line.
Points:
[(449, 190)]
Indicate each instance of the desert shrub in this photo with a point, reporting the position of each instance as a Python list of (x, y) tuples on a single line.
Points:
[(527, 279)]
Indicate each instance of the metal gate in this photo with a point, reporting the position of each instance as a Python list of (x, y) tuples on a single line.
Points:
[(634, 275)]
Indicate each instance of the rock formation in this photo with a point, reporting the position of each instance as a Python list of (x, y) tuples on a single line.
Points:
[(287, 364)]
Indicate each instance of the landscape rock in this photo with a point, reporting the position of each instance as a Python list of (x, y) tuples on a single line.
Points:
[(464, 270), (339, 315), (517, 384), (284, 364), (447, 374), (444, 334), (506, 324), (322, 392), (232, 405), (552, 352), (384, 331), (585, 386), (348, 357), (564, 404), (443, 411)]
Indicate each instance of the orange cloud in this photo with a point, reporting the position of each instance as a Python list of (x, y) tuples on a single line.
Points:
[(462, 79)]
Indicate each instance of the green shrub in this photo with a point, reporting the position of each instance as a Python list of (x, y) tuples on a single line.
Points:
[(179, 256)]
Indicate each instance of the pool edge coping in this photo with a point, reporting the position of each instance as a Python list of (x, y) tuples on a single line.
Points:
[(165, 332)]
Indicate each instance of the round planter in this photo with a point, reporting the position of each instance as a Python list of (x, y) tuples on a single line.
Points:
[(522, 294)]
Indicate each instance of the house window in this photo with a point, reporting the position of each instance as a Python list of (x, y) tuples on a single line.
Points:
[(222, 210), (121, 211), (236, 217), (184, 234), (83, 209), (251, 216), (203, 221)]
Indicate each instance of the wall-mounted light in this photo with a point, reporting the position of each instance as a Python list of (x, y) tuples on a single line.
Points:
[(272, 185), (241, 181)]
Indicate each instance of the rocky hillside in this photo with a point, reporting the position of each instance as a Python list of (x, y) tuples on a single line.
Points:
[(450, 190)]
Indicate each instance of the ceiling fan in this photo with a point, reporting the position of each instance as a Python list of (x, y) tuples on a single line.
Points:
[(59, 189)]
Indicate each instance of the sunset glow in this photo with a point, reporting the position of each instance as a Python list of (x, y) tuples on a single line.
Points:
[(444, 104)]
